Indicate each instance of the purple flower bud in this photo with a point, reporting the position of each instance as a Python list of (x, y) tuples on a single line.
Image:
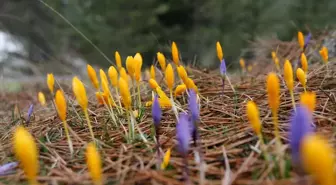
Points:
[(307, 39), (193, 106), (299, 127), (30, 112), (223, 67), (156, 112), (183, 134), (8, 168)]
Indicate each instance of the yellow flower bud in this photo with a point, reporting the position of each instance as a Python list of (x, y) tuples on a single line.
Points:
[(125, 93), (166, 159), (180, 89), (130, 66), (61, 105), (113, 74), (93, 76), (50, 82), (26, 152), (242, 63), (123, 74), (153, 84), (80, 93), (175, 54), (138, 57), (137, 67), (165, 103), (41, 98), (105, 86), (191, 85), (288, 75), (276, 62), (169, 75), (162, 95), (322, 169), (308, 99), (253, 117), (118, 60), (103, 76), (304, 63), (94, 164), (182, 74), (273, 55), (273, 87), (102, 97), (162, 60), (301, 40), (324, 54), (152, 72), (300, 74), (219, 51)]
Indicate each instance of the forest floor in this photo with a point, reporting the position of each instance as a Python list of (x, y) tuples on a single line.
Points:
[(224, 133)]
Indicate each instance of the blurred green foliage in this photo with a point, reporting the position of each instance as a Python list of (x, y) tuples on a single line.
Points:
[(149, 26)]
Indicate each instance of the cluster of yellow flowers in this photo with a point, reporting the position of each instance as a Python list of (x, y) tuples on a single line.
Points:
[(119, 79), (124, 80), (313, 145)]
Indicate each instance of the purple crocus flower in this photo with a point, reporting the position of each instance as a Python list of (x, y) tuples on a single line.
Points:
[(299, 127), (156, 112), (8, 168), (193, 106), (307, 39), (30, 112), (222, 67), (183, 134)]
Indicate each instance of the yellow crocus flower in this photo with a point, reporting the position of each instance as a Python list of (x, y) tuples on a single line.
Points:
[(323, 168), (219, 51), (26, 152), (51, 82), (80, 92), (162, 60), (41, 98), (94, 164), (308, 99), (169, 76), (300, 74), (113, 74), (125, 93), (93, 76), (118, 60), (180, 89), (304, 63), (152, 72), (166, 159), (253, 117), (301, 39), (288, 75), (182, 74), (175, 54)]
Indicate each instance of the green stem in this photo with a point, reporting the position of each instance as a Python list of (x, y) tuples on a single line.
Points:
[(276, 130), (133, 91), (293, 99), (130, 130), (173, 104), (89, 124), (66, 130), (139, 95), (263, 148), (119, 102)]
